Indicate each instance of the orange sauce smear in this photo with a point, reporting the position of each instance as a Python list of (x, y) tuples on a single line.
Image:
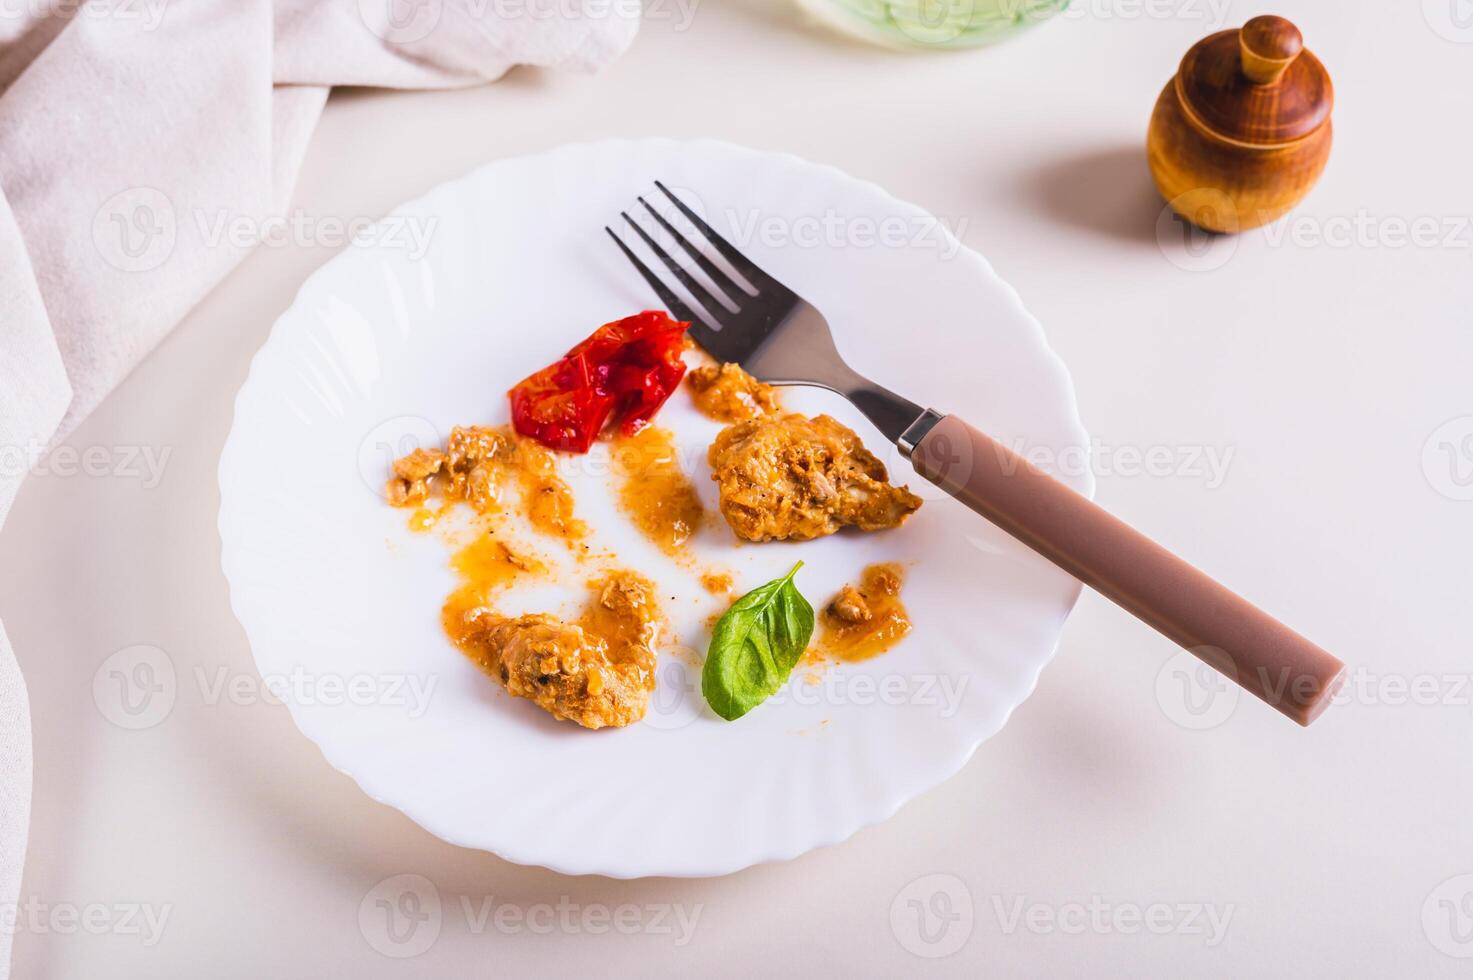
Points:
[(623, 613), (726, 393), (654, 491), (717, 583), (486, 567), (547, 499), (423, 519), (864, 621)]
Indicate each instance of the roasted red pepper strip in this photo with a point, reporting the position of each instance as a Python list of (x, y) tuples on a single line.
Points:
[(624, 370)]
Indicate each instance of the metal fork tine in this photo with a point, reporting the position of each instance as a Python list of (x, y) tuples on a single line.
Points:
[(740, 262), (714, 272), (700, 331), (672, 302), (698, 292)]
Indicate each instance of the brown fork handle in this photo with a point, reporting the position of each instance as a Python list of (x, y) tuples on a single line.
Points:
[(1226, 631)]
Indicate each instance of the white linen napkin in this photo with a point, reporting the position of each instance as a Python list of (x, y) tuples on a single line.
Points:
[(119, 116)]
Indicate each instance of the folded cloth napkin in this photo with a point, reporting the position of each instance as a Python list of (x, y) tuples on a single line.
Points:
[(117, 117)]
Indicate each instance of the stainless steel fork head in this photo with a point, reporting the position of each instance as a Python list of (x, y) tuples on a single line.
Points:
[(772, 332)]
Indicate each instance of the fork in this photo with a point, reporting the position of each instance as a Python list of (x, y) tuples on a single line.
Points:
[(781, 339)]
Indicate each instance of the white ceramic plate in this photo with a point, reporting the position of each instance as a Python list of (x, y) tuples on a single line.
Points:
[(391, 344)]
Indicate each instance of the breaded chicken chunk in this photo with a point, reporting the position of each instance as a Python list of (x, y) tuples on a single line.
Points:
[(568, 672), (792, 478), (598, 672)]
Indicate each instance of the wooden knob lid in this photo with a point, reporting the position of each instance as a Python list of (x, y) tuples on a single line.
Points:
[(1256, 85), (1267, 46)]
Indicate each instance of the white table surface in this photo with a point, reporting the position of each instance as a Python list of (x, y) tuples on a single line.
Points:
[(1324, 366)]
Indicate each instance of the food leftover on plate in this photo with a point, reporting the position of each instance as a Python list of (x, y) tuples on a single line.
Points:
[(781, 476)]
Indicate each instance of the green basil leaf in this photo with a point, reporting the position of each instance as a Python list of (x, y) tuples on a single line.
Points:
[(755, 646)]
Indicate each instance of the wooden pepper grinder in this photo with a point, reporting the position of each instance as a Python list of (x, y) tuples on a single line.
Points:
[(1242, 132)]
